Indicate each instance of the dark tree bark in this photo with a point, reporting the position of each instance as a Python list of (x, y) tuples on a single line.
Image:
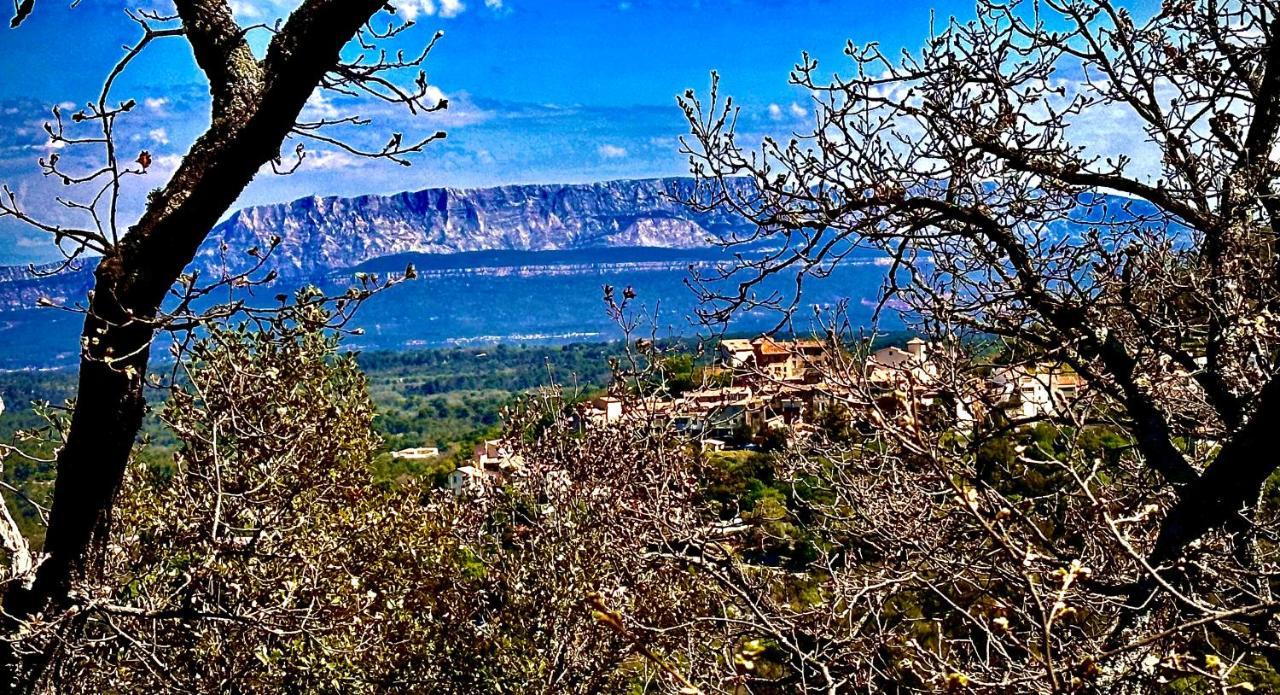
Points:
[(256, 103), (1225, 495), (963, 154)]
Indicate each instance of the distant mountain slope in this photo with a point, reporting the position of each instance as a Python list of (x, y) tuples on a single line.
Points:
[(495, 297), (321, 235), (20, 288)]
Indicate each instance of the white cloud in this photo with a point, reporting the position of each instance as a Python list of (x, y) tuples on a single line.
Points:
[(324, 161), (156, 104), (779, 113), (329, 161), (159, 136), (410, 9), (166, 164), (244, 9), (611, 151), (319, 106), (260, 10), (493, 4), (432, 95)]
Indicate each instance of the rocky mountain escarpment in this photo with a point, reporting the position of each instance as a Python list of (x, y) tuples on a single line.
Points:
[(320, 235)]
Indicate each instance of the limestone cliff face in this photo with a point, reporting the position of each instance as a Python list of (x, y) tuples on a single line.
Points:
[(21, 288), (320, 235)]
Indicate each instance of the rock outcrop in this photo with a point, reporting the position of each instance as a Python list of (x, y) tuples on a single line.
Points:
[(321, 235)]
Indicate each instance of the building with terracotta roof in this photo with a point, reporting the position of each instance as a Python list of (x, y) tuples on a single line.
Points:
[(1043, 389), (736, 353), (774, 360), (911, 368)]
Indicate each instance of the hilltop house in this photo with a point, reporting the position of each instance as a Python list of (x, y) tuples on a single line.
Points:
[(915, 376), (1040, 390), (767, 359), (789, 361), (420, 453), (718, 411), (495, 454), (490, 462), (737, 353), (604, 410), (910, 369), (469, 480)]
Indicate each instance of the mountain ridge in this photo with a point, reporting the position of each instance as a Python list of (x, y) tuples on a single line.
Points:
[(326, 233), (323, 234)]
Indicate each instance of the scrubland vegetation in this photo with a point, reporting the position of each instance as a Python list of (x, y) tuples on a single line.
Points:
[(1068, 484)]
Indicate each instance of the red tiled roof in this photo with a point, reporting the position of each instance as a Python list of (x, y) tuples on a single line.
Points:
[(769, 346)]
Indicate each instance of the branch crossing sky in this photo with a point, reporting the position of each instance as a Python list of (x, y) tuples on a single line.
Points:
[(539, 90)]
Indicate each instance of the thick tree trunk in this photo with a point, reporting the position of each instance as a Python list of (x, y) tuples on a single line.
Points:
[(108, 414), (118, 330), (1222, 498), (256, 103), (1229, 488)]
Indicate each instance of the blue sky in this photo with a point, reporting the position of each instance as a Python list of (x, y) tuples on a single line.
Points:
[(540, 91)]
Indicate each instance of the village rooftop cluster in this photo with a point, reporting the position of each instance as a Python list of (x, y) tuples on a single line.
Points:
[(782, 388)]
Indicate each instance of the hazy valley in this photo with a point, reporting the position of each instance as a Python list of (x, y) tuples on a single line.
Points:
[(521, 264)]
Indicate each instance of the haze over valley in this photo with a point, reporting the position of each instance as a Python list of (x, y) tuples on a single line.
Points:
[(509, 264)]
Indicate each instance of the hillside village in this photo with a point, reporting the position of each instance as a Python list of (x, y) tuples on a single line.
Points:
[(783, 389)]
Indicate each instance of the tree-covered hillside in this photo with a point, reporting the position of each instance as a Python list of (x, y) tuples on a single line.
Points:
[(444, 398)]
